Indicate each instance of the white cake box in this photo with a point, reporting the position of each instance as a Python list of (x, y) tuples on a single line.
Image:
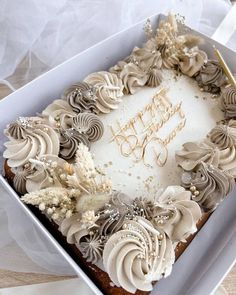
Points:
[(211, 254)]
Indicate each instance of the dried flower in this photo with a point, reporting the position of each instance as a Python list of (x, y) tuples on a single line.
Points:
[(89, 218), (86, 177), (58, 203), (85, 161)]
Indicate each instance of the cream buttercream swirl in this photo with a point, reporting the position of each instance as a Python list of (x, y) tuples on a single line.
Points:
[(191, 61), (228, 102), (88, 242), (175, 213), (223, 136), (86, 128), (212, 184), (48, 171), (37, 139), (81, 97), (138, 255), (116, 69), (195, 152), (133, 78), (211, 77), (109, 90), (59, 114)]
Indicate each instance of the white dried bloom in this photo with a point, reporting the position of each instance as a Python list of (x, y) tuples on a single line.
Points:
[(84, 161), (59, 203), (86, 177), (91, 202), (89, 218)]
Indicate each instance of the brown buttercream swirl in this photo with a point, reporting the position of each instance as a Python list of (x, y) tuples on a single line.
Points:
[(16, 130), (212, 184), (81, 97), (192, 61), (146, 57), (113, 215), (211, 77), (86, 128), (228, 102), (20, 177), (69, 142), (195, 152), (223, 136), (154, 77)]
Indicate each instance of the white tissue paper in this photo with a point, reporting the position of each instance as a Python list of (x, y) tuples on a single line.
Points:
[(37, 35)]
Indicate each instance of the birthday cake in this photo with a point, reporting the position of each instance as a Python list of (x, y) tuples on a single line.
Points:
[(130, 162)]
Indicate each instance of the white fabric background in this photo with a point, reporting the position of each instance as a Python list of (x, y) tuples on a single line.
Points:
[(49, 32), (35, 36)]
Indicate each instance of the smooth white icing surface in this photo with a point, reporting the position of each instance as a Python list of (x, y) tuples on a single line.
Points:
[(136, 179)]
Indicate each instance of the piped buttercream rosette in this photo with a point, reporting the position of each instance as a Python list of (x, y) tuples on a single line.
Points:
[(109, 90), (209, 185), (59, 114), (29, 138), (138, 255), (81, 97), (228, 102), (85, 128), (175, 213), (211, 77)]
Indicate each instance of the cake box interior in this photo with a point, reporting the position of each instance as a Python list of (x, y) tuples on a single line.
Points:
[(208, 258)]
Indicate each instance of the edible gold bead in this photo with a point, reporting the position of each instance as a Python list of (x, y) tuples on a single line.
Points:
[(160, 237), (196, 193), (193, 188)]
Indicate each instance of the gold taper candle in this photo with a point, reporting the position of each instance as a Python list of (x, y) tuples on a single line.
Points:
[(226, 69)]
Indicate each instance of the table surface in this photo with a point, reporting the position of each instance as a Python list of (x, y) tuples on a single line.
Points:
[(13, 279)]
